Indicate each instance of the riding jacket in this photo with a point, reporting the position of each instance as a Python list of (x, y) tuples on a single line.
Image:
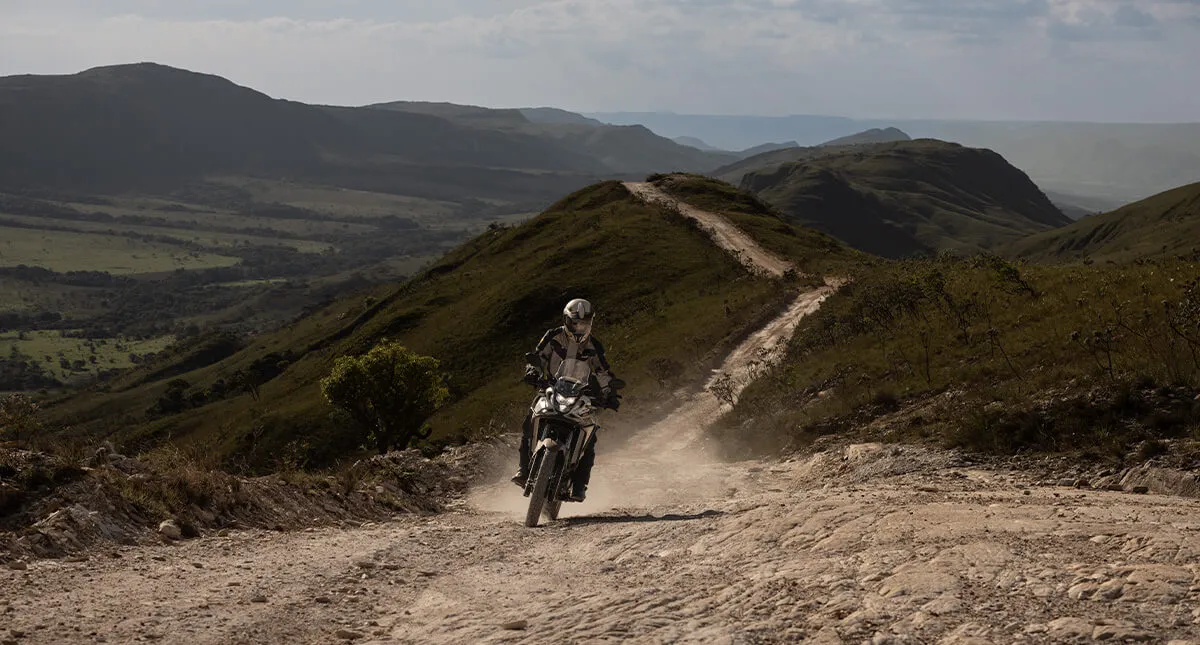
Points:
[(557, 345)]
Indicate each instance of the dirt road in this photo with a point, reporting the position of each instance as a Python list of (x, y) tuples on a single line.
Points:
[(724, 233), (852, 546), (864, 543)]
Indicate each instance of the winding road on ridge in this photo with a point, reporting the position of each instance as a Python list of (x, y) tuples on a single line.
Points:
[(866, 543)]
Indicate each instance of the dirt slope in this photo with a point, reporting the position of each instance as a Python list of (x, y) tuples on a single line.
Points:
[(859, 544)]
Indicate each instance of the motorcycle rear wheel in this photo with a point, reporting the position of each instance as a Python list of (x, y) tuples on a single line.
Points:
[(541, 487)]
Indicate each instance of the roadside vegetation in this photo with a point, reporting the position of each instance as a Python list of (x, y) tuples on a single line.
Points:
[(989, 355), (388, 393)]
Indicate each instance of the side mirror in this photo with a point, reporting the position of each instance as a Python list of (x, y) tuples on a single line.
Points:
[(617, 384), (532, 358)]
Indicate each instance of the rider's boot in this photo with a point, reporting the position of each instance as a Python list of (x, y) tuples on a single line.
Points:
[(583, 472), (522, 475)]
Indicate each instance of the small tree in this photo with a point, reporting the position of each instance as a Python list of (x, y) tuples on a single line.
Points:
[(389, 392), (18, 419)]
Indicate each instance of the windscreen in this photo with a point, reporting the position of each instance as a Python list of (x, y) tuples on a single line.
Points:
[(569, 387), (572, 377), (575, 370)]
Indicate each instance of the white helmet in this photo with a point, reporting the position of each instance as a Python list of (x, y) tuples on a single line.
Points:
[(577, 319)]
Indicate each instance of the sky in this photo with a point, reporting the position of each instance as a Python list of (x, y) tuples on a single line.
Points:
[(1097, 60)]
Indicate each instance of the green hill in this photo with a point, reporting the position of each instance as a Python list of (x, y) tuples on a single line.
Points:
[(769, 156), (1165, 224), (149, 126), (874, 135), (898, 199), (670, 302)]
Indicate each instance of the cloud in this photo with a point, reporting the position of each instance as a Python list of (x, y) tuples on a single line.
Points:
[(945, 58)]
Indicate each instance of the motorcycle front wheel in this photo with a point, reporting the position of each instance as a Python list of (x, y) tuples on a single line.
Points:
[(541, 487)]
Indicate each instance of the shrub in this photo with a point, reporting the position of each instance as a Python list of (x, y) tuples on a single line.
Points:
[(19, 419), (389, 393)]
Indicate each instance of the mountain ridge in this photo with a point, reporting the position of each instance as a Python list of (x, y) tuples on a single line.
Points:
[(903, 198)]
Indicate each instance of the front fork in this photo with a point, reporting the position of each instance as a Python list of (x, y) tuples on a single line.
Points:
[(548, 446)]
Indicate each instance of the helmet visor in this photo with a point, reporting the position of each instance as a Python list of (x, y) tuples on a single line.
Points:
[(579, 328)]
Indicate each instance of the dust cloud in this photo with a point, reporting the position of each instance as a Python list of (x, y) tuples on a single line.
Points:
[(671, 462)]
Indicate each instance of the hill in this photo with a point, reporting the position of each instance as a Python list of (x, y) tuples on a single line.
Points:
[(1120, 162), (670, 302), (768, 156), (899, 199), (148, 126), (695, 143), (476, 116), (631, 149), (555, 115), (732, 132), (767, 147), (1163, 225), (874, 135), (992, 356)]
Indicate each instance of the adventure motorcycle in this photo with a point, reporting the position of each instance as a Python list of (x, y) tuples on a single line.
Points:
[(563, 425)]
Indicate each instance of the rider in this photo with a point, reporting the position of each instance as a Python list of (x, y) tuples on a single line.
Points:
[(573, 340)]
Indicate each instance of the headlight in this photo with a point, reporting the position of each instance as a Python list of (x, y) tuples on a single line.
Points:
[(564, 402)]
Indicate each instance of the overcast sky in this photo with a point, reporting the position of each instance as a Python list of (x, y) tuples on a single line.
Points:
[(1108, 60)]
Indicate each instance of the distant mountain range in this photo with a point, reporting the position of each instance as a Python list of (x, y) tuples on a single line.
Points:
[(149, 126), (1116, 163), (903, 198), (618, 149)]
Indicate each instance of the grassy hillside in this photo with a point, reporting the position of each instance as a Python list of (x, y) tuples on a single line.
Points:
[(670, 302), (899, 199), (990, 356), (1162, 225), (145, 125)]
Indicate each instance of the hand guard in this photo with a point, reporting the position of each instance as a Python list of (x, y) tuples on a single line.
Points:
[(533, 375)]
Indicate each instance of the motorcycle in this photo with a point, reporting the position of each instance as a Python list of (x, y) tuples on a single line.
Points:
[(563, 425)]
